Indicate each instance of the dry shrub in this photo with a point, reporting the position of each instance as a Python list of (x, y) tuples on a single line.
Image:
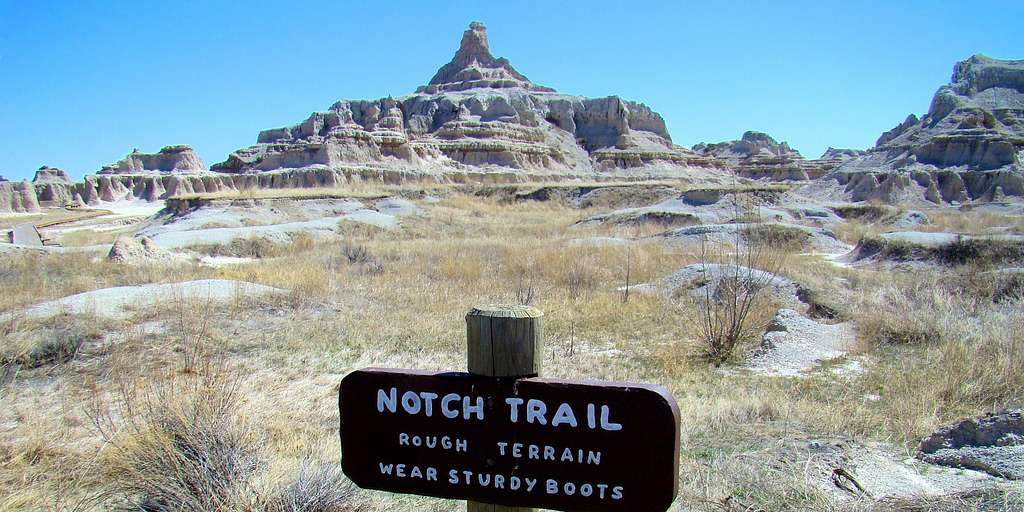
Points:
[(359, 255), (725, 308), (179, 445), (579, 279), (253, 247), (906, 313), (316, 488), (525, 276)]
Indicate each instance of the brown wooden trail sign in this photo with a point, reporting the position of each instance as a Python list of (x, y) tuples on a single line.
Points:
[(510, 441)]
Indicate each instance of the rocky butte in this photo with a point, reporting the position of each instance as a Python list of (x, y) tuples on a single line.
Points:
[(758, 156), (476, 117), (170, 159), (969, 146)]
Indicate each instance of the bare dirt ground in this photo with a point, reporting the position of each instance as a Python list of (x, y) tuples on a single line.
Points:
[(98, 406)]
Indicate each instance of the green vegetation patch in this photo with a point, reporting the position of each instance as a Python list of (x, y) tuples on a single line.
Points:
[(866, 212), (777, 236), (979, 252)]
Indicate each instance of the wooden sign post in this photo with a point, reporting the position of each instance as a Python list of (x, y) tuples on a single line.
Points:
[(504, 341), (504, 439)]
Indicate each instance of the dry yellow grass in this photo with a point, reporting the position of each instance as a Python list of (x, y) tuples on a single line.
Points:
[(399, 301)]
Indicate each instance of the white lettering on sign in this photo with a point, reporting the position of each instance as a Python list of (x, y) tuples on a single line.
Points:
[(564, 414), (414, 403), (404, 471), (465, 477), (445, 442), (536, 412), (521, 410), (533, 452), (446, 406)]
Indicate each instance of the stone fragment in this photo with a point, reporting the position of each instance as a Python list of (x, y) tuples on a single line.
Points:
[(993, 443)]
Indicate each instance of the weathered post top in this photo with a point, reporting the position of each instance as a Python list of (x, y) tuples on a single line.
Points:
[(504, 340)]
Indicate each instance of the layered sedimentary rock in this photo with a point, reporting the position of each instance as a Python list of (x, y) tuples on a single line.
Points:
[(52, 187), (969, 146), (18, 196), (477, 114), (170, 159), (757, 155), (47, 174), (477, 120), (474, 67)]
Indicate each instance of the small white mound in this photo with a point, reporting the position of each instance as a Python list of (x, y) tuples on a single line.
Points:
[(703, 280), (117, 302), (795, 344), (140, 251)]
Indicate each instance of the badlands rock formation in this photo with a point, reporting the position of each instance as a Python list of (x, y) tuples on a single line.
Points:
[(757, 155), (18, 196), (170, 159), (969, 146), (477, 113), (480, 120), (51, 185), (47, 174)]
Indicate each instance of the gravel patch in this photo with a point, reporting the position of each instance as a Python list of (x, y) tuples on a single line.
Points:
[(794, 345)]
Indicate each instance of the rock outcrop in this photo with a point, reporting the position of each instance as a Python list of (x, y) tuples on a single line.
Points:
[(477, 114), (474, 67), (137, 251), (794, 344), (976, 122), (18, 196), (840, 154), (969, 146), (170, 159), (757, 155), (53, 186), (47, 174), (993, 443)]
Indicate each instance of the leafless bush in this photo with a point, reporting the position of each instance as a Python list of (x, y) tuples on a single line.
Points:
[(358, 254), (579, 279), (525, 288), (316, 488), (733, 289), (253, 247), (193, 336)]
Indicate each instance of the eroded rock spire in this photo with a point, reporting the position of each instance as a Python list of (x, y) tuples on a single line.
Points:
[(473, 66)]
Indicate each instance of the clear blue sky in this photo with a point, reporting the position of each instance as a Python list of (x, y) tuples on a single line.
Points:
[(82, 83)]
